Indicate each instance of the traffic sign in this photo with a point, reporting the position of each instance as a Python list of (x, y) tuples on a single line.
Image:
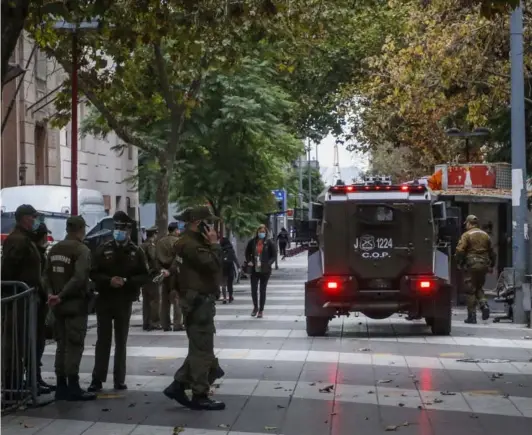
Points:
[(279, 194)]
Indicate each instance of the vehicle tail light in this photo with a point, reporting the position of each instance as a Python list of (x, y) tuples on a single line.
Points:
[(332, 285), (426, 285)]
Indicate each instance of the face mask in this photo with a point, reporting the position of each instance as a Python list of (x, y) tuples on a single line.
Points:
[(119, 235), (262, 235), (35, 225)]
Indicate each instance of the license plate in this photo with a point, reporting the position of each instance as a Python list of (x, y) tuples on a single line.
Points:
[(370, 243)]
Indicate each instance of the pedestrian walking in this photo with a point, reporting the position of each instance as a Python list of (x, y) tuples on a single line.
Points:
[(119, 270), (166, 261), (40, 238), (228, 269), (283, 238), (67, 275), (21, 261), (151, 294), (260, 256), (200, 266), (476, 256)]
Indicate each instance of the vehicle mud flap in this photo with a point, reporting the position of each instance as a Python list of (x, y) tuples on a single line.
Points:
[(317, 326), (440, 322)]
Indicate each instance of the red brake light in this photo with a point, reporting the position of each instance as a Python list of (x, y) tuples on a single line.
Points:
[(331, 285), (425, 285), (404, 188)]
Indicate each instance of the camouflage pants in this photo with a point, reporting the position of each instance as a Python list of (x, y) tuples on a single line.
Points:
[(150, 304), (70, 335), (474, 288), (200, 368), (170, 302)]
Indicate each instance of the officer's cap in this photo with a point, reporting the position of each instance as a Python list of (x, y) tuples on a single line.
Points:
[(196, 214), (151, 231), (472, 220), (25, 210), (172, 226), (75, 223), (121, 217)]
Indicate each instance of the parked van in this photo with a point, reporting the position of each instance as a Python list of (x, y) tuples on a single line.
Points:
[(54, 203)]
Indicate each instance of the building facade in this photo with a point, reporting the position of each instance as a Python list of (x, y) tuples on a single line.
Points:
[(35, 153), (30, 147), (101, 168)]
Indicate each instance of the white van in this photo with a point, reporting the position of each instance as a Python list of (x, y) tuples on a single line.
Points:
[(54, 203)]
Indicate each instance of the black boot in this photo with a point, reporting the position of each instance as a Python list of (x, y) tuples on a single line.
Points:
[(61, 392), (485, 309), (44, 387), (205, 403), (95, 386), (76, 393), (176, 391), (120, 386), (471, 318)]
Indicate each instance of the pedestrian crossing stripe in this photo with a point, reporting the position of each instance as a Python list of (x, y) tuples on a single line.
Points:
[(270, 316), (350, 358), (387, 395)]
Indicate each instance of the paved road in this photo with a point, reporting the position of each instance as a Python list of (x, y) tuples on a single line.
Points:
[(366, 377)]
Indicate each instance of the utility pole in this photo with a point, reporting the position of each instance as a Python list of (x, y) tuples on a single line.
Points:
[(300, 167), (519, 196), (309, 184)]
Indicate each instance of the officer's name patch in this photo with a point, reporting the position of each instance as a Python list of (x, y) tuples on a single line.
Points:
[(60, 259)]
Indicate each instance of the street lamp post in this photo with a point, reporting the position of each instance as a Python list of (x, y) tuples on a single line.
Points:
[(455, 132), (74, 28)]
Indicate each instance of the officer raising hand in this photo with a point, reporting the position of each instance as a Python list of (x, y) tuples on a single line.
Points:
[(119, 270), (200, 267)]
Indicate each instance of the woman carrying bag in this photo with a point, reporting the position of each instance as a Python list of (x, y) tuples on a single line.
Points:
[(260, 256)]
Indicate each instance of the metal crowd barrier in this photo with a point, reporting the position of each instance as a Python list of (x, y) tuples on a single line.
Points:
[(19, 346)]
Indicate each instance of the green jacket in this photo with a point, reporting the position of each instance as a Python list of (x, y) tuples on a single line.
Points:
[(67, 274), (150, 252), (165, 255), (21, 260), (200, 264)]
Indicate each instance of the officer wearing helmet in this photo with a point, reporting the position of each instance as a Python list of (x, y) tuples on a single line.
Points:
[(119, 270), (475, 255), (199, 257)]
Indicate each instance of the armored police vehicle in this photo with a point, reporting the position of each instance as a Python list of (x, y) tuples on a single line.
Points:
[(378, 252)]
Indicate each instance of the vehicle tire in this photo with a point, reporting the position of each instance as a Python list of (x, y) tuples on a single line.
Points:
[(317, 326), (441, 323)]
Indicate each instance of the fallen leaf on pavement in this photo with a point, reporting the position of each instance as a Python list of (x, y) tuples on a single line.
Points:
[(401, 405), (105, 409), (270, 428), (28, 426), (384, 381), (436, 400), (391, 428), (312, 384), (406, 423), (280, 406), (178, 430), (131, 405), (277, 388), (223, 426), (364, 349), (447, 393), (327, 389)]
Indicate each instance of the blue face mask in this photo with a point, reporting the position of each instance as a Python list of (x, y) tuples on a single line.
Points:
[(120, 235), (262, 235)]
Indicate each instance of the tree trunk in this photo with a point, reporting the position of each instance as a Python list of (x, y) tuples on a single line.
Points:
[(161, 201)]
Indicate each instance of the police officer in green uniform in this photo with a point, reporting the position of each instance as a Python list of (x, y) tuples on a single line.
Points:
[(21, 261), (150, 291), (67, 275), (119, 270), (200, 268), (475, 255), (166, 261)]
